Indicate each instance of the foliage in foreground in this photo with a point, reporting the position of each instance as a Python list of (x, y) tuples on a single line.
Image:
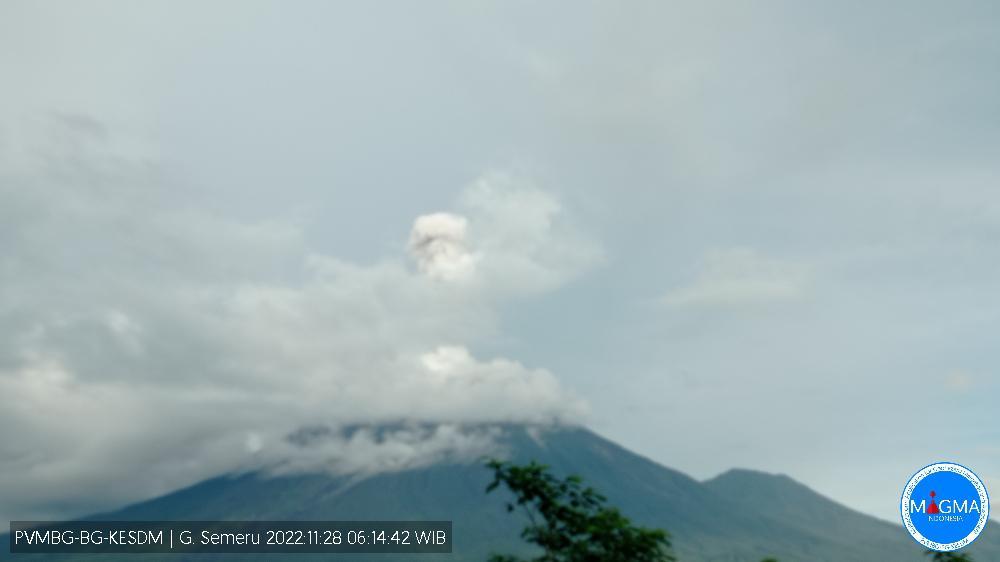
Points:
[(571, 522)]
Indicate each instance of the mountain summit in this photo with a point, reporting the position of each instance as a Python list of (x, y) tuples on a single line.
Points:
[(740, 515)]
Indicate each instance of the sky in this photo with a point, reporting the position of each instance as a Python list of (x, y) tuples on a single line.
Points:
[(722, 234)]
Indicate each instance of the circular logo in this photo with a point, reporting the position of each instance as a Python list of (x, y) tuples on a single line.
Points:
[(944, 506)]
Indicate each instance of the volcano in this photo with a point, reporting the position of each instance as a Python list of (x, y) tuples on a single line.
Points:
[(741, 515)]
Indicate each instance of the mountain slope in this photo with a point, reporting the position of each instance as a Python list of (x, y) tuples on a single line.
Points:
[(799, 506), (717, 521)]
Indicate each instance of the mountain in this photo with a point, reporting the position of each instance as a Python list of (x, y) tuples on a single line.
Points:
[(798, 506), (738, 516)]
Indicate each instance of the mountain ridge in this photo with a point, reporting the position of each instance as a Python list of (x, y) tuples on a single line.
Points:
[(717, 520)]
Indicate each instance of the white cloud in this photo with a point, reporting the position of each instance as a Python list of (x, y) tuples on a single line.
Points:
[(364, 450), (526, 241), (151, 344), (437, 242), (510, 238), (864, 145), (740, 277)]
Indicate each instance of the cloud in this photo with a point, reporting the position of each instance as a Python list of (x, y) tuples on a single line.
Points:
[(360, 451), (149, 343), (437, 243), (740, 277), (526, 242), (506, 237), (859, 141)]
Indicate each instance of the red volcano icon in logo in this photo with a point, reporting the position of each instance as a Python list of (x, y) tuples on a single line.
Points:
[(933, 508)]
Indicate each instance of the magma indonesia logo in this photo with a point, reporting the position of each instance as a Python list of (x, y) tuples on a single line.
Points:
[(945, 506)]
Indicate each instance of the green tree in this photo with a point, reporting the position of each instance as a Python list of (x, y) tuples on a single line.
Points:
[(948, 556), (571, 522)]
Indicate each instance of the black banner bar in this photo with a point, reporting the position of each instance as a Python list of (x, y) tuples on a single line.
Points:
[(185, 537)]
